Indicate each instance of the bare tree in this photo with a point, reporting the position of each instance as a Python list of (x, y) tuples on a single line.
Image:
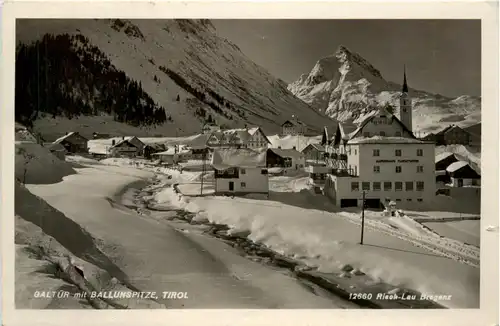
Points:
[(27, 159)]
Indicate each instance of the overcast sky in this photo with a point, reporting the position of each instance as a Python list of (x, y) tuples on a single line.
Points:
[(441, 56)]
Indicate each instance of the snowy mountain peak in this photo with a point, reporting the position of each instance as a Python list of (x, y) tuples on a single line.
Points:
[(345, 55), (345, 86)]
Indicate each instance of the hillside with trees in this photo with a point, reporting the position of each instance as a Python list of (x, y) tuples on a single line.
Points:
[(65, 75)]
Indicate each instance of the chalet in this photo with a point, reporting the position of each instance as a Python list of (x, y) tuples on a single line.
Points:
[(462, 174), (252, 138), (73, 142), (150, 149), (240, 171), (199, 147), (127, 147), (285, 158), (314, 152), (452, 135), (258, 138), (58, 150), (293, 127), (173, 155)]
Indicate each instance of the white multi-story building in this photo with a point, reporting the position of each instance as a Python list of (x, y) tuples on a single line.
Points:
[(240, 171), (383, 159)]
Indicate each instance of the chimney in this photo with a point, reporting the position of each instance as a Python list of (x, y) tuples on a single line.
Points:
[(113, 142), (123, 137), (294, 147), (279, 147), (67, 132)]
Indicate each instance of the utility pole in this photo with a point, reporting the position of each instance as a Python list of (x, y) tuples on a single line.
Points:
[(202, 172), (362, 218), (203, 157)]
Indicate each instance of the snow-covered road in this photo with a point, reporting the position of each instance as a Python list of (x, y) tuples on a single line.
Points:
[(156, 257)]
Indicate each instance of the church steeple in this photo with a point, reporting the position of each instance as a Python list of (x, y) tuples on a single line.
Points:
[(405, 85), (405, 107)]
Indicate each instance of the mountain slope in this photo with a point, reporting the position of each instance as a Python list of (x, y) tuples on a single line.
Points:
[(345, 86), (184, 67)]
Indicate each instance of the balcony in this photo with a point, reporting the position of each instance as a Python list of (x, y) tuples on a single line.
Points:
[(344, 173)]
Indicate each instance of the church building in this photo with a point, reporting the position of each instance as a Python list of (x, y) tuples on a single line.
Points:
[(382, 158)]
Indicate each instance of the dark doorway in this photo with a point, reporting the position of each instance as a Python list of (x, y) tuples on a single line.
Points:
[(348, 203), (460, 182), (231, 186), (373, 203)]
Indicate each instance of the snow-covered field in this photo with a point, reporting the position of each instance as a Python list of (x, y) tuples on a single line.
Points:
[(464, 231)]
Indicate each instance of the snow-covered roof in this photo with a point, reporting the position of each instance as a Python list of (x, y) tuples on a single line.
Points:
[(288, 152), (60, 139), (171, 151), (252, 131), (456, 166), (238, 157), (442, 156), (347, 129), (318, 147), (199, 142), (386, 140), (126, 139)]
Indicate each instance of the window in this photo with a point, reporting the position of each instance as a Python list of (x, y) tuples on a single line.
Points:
[(409, 199), (397, 152), (366, 134), (398, 133), (387, 185), (420, 152), (376, 186), (398, 186), (376, 152), (382, 133), (420, 200), (263, 171), (409, 185), (398, 199), (420, 185), (474, 182), (355, 152), (376, 169), (354, 186), (398, 169), (366, 185), (420, 169), (243, 185), (243, 171)]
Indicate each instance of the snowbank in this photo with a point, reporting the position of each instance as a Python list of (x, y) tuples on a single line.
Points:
[(328, 241), (35, 164)]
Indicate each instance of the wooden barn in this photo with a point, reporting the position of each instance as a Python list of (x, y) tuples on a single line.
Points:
[(73, 142)]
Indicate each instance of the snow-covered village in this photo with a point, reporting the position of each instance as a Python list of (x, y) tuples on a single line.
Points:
[(157, 157)]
